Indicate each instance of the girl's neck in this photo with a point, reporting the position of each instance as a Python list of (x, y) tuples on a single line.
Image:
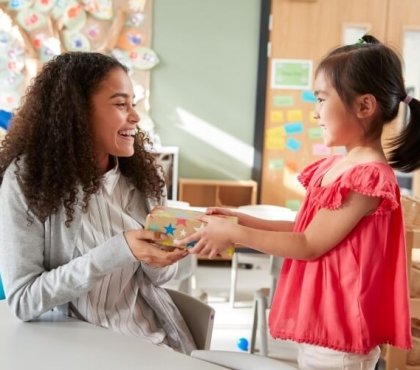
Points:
[(368, 152)]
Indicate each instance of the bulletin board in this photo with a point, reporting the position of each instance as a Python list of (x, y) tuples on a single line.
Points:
[(298, 40), (34, 31)]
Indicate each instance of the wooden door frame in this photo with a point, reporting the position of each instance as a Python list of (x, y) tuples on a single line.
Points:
[(261, 92)]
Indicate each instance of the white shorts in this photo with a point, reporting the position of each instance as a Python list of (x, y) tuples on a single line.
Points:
[(321, 358)]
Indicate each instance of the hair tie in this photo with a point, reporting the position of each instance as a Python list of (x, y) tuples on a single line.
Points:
[(407, 99)]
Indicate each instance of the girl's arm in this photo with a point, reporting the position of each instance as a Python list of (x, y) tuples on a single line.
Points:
[(253, 222), (325, 231)]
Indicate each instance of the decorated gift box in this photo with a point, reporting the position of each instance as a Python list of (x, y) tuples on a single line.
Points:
[(177, 223)]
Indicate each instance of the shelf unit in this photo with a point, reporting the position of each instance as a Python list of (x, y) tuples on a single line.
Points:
[(219, 193)]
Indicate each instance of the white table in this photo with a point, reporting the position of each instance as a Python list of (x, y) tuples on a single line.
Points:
[(57, 342)]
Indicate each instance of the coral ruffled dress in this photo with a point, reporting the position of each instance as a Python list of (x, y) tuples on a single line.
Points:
[(355, 296)]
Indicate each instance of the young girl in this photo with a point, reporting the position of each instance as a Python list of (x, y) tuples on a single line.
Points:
[(76, 186), (343, 286)]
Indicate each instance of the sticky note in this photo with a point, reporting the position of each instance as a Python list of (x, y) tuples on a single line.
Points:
[(320, 149), (275, 138), (315, 133), (311, 117), (293, 144), (294, 115), (277, 116), (293, 204), (283, 101), (308, 96), (293, 128), (276, 164)]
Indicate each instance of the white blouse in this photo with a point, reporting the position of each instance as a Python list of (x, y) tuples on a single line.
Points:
[(115, 302)]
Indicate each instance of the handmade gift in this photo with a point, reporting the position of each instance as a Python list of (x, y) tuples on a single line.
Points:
[(177, 223)]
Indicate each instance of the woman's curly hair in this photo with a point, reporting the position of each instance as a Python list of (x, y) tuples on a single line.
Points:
[(52, 134)]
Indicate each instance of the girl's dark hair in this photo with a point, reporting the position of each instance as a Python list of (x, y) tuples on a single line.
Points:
[(370, 67), (52, 134)]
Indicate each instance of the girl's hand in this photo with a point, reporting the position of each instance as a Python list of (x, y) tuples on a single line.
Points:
[(220, 211), (212, 239), (143, 245)]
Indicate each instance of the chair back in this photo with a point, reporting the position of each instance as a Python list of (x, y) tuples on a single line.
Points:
[(2, 295), (198, 316)]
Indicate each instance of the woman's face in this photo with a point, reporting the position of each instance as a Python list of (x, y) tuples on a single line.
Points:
[(113, 118)]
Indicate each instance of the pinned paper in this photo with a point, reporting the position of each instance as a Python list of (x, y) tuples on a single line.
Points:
[(308, 96), (276, 164), (275, 138), (20, 4), (315, 133), (129, 39), (277, 116), (293, 204), (143, 58), (101, 9), (136, 19), (320, 149), (294, 115), (31, 20), (291, 74), (283, 101), (43, 6), (311, 117), (74, 17), (293, 144), (293, 128), (75, 41)]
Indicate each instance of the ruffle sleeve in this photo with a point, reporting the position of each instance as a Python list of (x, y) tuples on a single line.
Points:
[(367, 179), (308, 172)]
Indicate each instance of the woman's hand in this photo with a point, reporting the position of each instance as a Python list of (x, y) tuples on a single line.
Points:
[(212, 239), (144, 246)]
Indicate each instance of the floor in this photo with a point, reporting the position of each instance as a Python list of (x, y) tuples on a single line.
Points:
[(234, 323)]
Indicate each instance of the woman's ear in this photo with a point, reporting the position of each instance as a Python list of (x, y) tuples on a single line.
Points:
[(365, 106)]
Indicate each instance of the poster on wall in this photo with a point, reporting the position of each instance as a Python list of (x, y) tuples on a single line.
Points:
[(292, 74)]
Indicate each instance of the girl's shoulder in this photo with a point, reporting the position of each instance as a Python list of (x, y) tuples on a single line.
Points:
[(316, 169), (374, 179)]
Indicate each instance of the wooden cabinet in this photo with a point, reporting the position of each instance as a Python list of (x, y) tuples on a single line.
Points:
[(221, 193)]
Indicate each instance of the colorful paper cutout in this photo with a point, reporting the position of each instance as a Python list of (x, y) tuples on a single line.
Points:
[(293, 144), (277, 116), (291, 74), (293, 128), (293, 204), (100, 9), (308, 96), (43, 6), (74, 17), (320, 149), (275, 138), (294, 115), (276, 164), (76, 41), (311, 117), (143, 58), (283, 101), (315, 133), (129, 39), (31, 20)]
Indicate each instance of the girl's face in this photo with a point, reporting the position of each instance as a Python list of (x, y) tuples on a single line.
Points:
[(113, 118), (340, 125)]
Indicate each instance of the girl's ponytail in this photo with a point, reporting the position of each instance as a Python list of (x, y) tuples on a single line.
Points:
[(405, 152)]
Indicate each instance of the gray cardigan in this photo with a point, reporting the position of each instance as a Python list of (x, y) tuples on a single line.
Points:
[(40, 271)]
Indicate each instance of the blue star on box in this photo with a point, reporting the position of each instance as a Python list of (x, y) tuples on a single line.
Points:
[(169, 230)]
